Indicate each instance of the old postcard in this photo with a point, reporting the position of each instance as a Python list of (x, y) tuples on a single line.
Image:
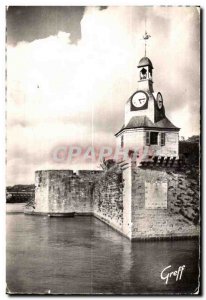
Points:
[(103, 150)]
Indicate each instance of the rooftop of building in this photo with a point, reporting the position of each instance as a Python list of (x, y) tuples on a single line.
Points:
[(145, 122), (145, 61)]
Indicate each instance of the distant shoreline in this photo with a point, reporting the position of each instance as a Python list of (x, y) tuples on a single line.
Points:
[(15, 208)]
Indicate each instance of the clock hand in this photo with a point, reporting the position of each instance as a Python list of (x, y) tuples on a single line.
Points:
[(140, 100)]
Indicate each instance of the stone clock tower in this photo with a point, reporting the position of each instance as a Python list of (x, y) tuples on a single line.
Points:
[(146, 128)]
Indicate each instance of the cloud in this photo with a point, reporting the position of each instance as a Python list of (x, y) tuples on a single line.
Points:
[(64, 93), (29, 23)]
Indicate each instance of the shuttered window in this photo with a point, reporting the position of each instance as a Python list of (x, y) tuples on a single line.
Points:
[(153, 138), (162, 138)]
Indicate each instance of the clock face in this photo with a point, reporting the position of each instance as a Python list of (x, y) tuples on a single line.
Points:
[(139, 99), (159, 101)]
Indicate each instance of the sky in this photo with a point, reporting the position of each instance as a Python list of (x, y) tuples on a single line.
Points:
[(70, 71)]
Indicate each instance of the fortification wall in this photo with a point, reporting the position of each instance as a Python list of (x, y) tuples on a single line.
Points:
[(84, 192), (64, 191), (108, 198), (139, 201), (42, 191), (164, 203)]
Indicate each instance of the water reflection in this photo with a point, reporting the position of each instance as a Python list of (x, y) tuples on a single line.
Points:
[(84, 255)]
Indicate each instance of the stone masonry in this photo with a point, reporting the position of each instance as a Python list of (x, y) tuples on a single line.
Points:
[(140, 202)]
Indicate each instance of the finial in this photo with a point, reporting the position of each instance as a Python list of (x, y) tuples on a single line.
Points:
[(146, 36)]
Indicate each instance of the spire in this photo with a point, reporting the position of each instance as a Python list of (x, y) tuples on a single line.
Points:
[(146, 36)]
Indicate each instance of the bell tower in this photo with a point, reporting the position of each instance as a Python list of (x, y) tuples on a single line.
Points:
[(146, 127), (145, 68)]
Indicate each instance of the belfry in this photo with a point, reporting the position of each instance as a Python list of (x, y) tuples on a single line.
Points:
[(146, 128)]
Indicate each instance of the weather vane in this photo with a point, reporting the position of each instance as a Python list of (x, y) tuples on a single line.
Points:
[(146, 36)]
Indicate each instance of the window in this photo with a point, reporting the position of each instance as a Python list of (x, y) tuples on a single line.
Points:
[(162, 138), (122, 141), (151, 138)]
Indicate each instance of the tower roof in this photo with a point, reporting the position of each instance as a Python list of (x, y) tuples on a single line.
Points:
[(145, 61), (145, 122)]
